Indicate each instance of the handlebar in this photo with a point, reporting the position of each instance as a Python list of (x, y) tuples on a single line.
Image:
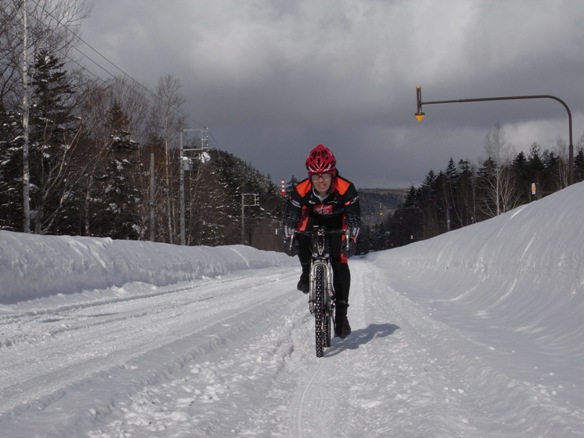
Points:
[(321, 231), (320, 245)]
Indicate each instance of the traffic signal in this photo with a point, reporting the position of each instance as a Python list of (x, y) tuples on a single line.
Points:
[(419, 114)]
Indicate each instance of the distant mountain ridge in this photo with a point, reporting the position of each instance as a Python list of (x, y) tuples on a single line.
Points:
[(377, 204)]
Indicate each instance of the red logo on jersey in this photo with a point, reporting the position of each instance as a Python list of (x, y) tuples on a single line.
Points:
[(323, 210)]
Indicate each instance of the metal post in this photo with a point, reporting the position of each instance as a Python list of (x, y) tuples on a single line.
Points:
[(243, 218), (200, 152), (254, 202), (181, 177), (25, 122), (152, 202)]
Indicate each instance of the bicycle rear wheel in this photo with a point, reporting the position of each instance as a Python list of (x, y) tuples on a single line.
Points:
[(320, 316)]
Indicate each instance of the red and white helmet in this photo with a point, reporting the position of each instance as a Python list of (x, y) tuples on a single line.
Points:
[(321, 160)]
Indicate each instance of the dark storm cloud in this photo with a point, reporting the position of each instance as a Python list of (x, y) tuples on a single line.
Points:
[(271, 79)]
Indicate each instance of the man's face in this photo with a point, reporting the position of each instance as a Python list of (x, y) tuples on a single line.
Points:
[(322, 182)]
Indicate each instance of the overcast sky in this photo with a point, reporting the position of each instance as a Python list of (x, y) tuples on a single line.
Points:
[(273, 78)]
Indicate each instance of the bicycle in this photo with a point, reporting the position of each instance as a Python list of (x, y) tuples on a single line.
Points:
[(321, 301)]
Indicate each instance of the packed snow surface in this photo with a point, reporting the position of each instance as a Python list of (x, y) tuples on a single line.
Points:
[(475, 333)]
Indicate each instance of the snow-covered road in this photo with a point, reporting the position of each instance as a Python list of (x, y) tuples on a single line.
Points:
[(234, 356)]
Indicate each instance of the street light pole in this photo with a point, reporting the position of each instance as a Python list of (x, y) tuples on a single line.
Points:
[(420, 116), (201, 152)]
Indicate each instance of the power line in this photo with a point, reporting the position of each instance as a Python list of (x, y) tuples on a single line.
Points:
[(78, 37), (101, 55)]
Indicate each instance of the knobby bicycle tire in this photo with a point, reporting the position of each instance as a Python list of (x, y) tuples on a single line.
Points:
[(319, 310)]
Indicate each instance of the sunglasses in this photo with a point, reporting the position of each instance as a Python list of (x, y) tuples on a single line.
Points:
[(323, 176)]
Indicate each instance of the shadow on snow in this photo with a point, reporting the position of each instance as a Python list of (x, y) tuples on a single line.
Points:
[(361, 337)]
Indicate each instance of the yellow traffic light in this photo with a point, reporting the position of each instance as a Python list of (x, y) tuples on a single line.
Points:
[(419, 114)]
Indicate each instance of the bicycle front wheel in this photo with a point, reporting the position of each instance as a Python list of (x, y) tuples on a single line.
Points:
[(320, 316)]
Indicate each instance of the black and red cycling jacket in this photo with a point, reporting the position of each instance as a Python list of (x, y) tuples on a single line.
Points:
[(303, 203)]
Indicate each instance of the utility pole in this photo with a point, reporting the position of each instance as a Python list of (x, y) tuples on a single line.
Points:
[(25, 120), (201, 154), (181, 192), (253, 203), (152, 203)]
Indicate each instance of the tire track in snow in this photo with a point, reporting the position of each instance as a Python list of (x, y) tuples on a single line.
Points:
[(321, 390), (303, 404), (235, 391), (40, 371)]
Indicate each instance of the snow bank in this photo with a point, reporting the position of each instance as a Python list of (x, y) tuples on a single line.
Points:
[(523, 270), (34, 266)]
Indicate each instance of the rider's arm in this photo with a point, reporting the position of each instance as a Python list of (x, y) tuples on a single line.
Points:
[(289, 222), (352, 208), (352, 213), (292, 213)]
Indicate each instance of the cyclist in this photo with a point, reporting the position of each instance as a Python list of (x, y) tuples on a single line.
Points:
[(324, 199)]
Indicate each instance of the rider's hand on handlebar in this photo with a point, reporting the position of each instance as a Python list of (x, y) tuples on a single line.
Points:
[(291, 245), (349, 246)]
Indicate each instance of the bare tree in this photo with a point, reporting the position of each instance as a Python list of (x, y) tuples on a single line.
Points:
[(10, 54), (501, 192), (166, 121), (562, 169), (501, 186)]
